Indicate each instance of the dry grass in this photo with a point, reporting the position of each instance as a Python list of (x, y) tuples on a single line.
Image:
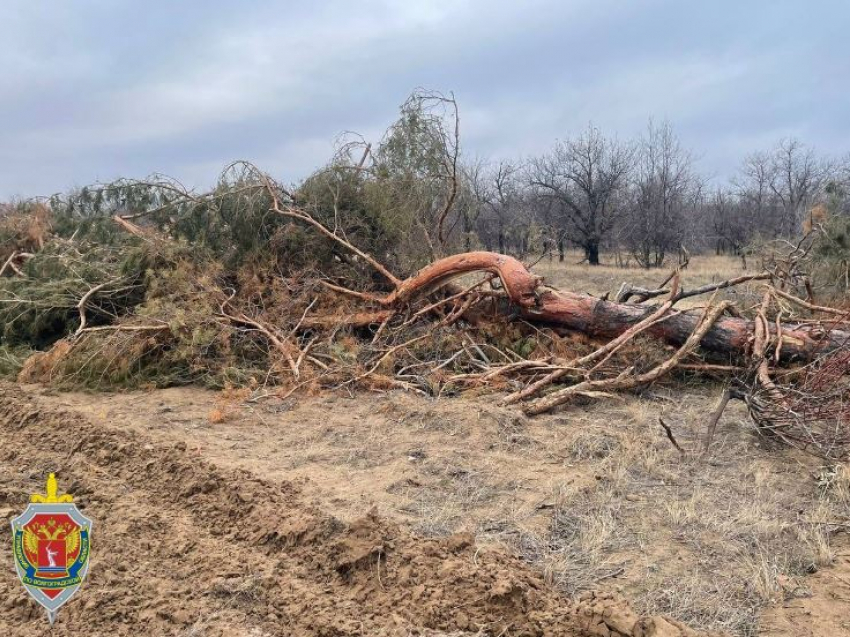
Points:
[(607, 277), (709, 543)]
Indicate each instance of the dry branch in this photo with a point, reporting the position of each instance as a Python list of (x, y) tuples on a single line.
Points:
[(81, 306), (669, 433), (624, 381), (604, 351), (295, 212), (809, 306), (125, 328), (282, 344), (627, 290), (10, 264)]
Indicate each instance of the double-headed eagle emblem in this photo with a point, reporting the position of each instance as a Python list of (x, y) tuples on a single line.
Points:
[(65, 532)]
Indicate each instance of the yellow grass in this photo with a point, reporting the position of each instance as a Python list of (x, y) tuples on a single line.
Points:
[(572, 274)]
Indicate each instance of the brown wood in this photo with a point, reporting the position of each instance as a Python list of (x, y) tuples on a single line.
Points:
[(606, 319), (519, 283), (358, 319)]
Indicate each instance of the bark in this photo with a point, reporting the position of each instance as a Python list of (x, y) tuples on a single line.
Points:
[(519, 283), (729, 335), (606, 319)]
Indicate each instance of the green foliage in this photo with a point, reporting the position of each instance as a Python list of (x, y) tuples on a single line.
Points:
[(165, 293), (338, 196), (232, 222), (12, 360), (390, 206), (40, 307), (179, 294), (830, 258), (415, 176)]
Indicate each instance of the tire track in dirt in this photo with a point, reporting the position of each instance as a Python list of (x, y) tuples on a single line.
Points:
[(182, 547)]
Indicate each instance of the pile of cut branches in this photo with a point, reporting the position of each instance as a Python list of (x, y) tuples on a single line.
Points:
[(147, 283)]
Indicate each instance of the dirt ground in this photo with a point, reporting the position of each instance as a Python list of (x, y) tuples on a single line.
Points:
[(392, 514), (184, 545)]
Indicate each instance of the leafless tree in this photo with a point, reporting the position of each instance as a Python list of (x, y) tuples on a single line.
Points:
[(545, 211), (732, 228), (694, 236), (509, 215), (837, 188), (586, 178), (470, 201), (775, 190), (757, 206), (504, 201), (662, 187), (797, 177)]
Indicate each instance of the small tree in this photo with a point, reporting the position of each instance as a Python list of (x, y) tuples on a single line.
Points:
[(416, 174)]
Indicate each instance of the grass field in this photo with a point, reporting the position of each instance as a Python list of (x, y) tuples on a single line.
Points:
[(594, 497), (576, 275)]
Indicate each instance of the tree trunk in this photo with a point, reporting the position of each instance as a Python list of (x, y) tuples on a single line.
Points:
[(593, 253), (606, 319)]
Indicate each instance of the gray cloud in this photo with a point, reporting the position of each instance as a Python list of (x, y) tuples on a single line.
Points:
[(97, 89)]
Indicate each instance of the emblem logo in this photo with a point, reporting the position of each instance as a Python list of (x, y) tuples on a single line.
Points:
[(51, 545)]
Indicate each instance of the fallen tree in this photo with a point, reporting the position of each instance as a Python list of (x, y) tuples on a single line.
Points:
[(465, 321), (814, 419), (600, 318)]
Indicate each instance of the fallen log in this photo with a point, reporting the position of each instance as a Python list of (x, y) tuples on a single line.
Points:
[(607, 319), (627, 381), (728, 336)]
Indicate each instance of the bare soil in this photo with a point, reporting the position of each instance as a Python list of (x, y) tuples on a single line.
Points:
[(391, 514), (186, 546)]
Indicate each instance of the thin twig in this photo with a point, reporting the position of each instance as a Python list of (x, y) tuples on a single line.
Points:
[(670, 436)]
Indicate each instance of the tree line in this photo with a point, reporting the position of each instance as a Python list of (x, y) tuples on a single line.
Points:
[(639, 200), (413, 196), (645, 200)]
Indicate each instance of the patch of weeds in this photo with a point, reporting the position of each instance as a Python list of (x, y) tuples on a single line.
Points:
[(593, 446), (720, 603)]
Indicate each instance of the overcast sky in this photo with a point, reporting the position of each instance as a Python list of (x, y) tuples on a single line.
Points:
[(96, 89)]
